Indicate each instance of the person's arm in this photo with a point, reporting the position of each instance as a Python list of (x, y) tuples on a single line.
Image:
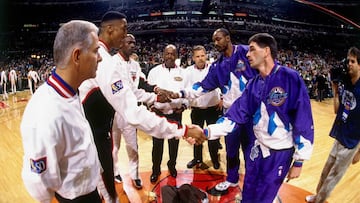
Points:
[(40, 173), (303, 128), (197, 89), (234, 120), (123, 100), (143, 84), (335, 89), (356, 157)]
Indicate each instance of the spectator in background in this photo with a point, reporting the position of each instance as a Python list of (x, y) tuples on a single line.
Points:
[(13, 79), (33, 79), (320, 84), (3, 82)]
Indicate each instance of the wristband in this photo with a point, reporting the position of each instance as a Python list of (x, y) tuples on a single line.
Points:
[(182, 92), (186, 131), (206, 132), (298, 163)]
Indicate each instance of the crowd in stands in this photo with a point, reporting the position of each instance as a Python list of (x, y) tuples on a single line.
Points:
[(310, 65)]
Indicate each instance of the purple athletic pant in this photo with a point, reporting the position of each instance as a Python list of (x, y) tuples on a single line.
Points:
[(264, 176)]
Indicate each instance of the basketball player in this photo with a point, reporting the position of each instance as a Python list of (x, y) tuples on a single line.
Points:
[(13, 80), (3, 82), (121, 128), (277, 106), (110, 92), (230, 73)]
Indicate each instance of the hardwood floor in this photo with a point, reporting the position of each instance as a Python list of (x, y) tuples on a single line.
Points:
[(12, 189)]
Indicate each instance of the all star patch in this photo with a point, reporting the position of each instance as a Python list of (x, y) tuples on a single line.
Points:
[(178, 78), (39, 165), (116, 86)]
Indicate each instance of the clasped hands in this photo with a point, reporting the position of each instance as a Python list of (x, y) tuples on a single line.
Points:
[(195, 135), (164, 96)]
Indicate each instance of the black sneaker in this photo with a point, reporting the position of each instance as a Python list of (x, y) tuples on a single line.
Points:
[(118, 179), (154, 177), (216, 165), (193, 163), (137, 183)]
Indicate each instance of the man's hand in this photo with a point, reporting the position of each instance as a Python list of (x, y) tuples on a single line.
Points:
[(174, 95), (294, 172), (196, 133), (163, 98), (219, 107), (356, 157), (164, 95)]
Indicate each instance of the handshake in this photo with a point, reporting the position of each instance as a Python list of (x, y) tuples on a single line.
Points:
[(164, 96), (195, 135)]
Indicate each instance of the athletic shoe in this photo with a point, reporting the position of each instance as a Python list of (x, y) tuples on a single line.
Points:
[(225, 185), (137, 183), (118, 179), (310, 198), (193, 163)]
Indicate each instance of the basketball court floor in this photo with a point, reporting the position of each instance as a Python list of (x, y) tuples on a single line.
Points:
[(12, 189)]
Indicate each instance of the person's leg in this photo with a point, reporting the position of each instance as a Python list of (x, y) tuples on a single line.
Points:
[(30, 85), (264, 176), (211, 115), (342, 159), (157, 151), (173, 152), (196, 118), (116, 136), (5, 91), (130, 137), (213, 146), (232, 143), (107, 165)]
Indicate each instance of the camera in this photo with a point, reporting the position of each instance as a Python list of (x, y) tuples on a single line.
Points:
[(339, 72)]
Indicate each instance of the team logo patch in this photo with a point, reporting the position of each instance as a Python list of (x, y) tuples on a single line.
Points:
[(240, 66), (38, 166), (178, 78), (277, 96), (116, 86)]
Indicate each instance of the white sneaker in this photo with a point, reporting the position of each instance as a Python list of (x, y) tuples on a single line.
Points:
[(310, 198), (225, 185)]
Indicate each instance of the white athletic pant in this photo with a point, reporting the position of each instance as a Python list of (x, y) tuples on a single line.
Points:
[(122, 128), (5, 95), (13, 85)]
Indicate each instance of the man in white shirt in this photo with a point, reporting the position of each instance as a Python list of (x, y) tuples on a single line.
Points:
[(170, 77), (13, 80), (109, 92), (3, 81), (60, 158), (206, 108), (33, 79), (121, 128)]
